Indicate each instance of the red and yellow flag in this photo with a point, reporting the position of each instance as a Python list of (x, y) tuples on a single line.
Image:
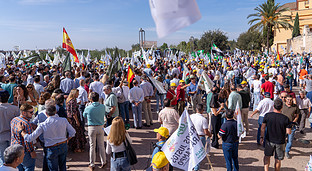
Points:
[(130, 75), (278, 56), (68, 45)]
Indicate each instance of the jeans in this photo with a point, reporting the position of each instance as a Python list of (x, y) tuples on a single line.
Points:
[(161, 98), (82, 120), (256, 101), (120, 164), (56, 157), (290, 139), (122, 111), (96, 138), (230, 152), (3, 146), (127, 105), (28, 163), (260, 120), (289, 81), (137, 115), (203, 140)]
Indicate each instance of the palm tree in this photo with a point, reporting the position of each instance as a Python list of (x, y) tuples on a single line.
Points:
[(270, 16)]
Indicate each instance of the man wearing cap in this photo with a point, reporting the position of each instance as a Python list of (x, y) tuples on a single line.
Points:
[(265, 106), (181, 96), (7, 113), (146, 105), (162, 135), (160, 162), (194, 92), (172, 96)]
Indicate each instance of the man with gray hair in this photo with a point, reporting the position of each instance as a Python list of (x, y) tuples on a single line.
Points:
[(54, 130), (111, 104), (67, 84), (40, 118), (13, 156), (304, 105)]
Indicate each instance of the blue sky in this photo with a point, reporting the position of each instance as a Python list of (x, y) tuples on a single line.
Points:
[(96, 24)]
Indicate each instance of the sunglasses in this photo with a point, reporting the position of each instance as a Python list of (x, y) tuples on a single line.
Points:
[(31, 112), (28, 87), (283, 97)]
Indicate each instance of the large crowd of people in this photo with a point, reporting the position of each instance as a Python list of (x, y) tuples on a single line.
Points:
[(44, 106)]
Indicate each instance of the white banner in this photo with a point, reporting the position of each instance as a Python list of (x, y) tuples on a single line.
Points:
[(183, 149), (158, 85), (205, 82), (240, 126)]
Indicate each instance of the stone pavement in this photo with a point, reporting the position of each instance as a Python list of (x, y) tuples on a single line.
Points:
[(250, 154)]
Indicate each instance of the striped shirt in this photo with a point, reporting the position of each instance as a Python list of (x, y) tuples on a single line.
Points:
[(16, 138)]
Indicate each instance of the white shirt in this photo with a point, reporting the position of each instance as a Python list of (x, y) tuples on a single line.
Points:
[(303, 103), (114, 148), (7, 168), (97, 87), (83, 95), (265, 106), (126, 91), (200, 123), (39, 88), (256, 85), (136, 94)]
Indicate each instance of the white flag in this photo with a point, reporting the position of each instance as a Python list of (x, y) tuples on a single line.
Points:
[(183, 149), (170, 16), (240, 126), (186, 72)]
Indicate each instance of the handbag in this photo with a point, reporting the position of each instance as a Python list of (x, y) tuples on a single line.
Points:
[(132, 157), (121, 98)]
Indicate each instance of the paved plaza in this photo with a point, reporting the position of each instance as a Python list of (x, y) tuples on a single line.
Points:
[(250, 154)]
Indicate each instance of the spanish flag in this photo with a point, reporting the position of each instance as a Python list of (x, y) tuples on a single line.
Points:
[(130, 75), (278, 56), (68, 45)]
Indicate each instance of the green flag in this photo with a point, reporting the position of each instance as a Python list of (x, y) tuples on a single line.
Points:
[(214, 47), (115, 65), (67, 64)]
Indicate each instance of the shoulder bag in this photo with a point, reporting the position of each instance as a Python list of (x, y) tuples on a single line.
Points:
[(132, 157)]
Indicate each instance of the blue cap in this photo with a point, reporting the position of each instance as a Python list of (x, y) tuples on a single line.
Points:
[(267, 94)]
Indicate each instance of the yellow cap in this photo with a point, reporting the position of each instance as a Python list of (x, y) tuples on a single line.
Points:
[(194, 70), (181, 81), (159, 160), (244, 82), (182, 59), (173, 85), (185, 60), (148, 65), (162, 130)]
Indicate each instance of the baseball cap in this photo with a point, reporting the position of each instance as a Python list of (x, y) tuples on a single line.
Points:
[(181, 81), (159, 160), (244, 82), (162, 131), (173, 85), (267, 94)]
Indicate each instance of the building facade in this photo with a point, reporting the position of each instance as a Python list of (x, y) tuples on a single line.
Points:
[(298, 45)]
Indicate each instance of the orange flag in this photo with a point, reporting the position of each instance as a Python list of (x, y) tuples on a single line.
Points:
[(68, 45), (278, 56), (130, 75)]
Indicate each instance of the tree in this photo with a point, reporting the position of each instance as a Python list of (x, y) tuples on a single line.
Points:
[(269, 16), (135, 47), (296, 30), (231, 45), (183, 46), (250, 40), (164, 46), (217, 37)]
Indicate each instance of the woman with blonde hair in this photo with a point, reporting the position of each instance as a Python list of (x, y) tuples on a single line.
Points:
[(77, 143), (116, 145)]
